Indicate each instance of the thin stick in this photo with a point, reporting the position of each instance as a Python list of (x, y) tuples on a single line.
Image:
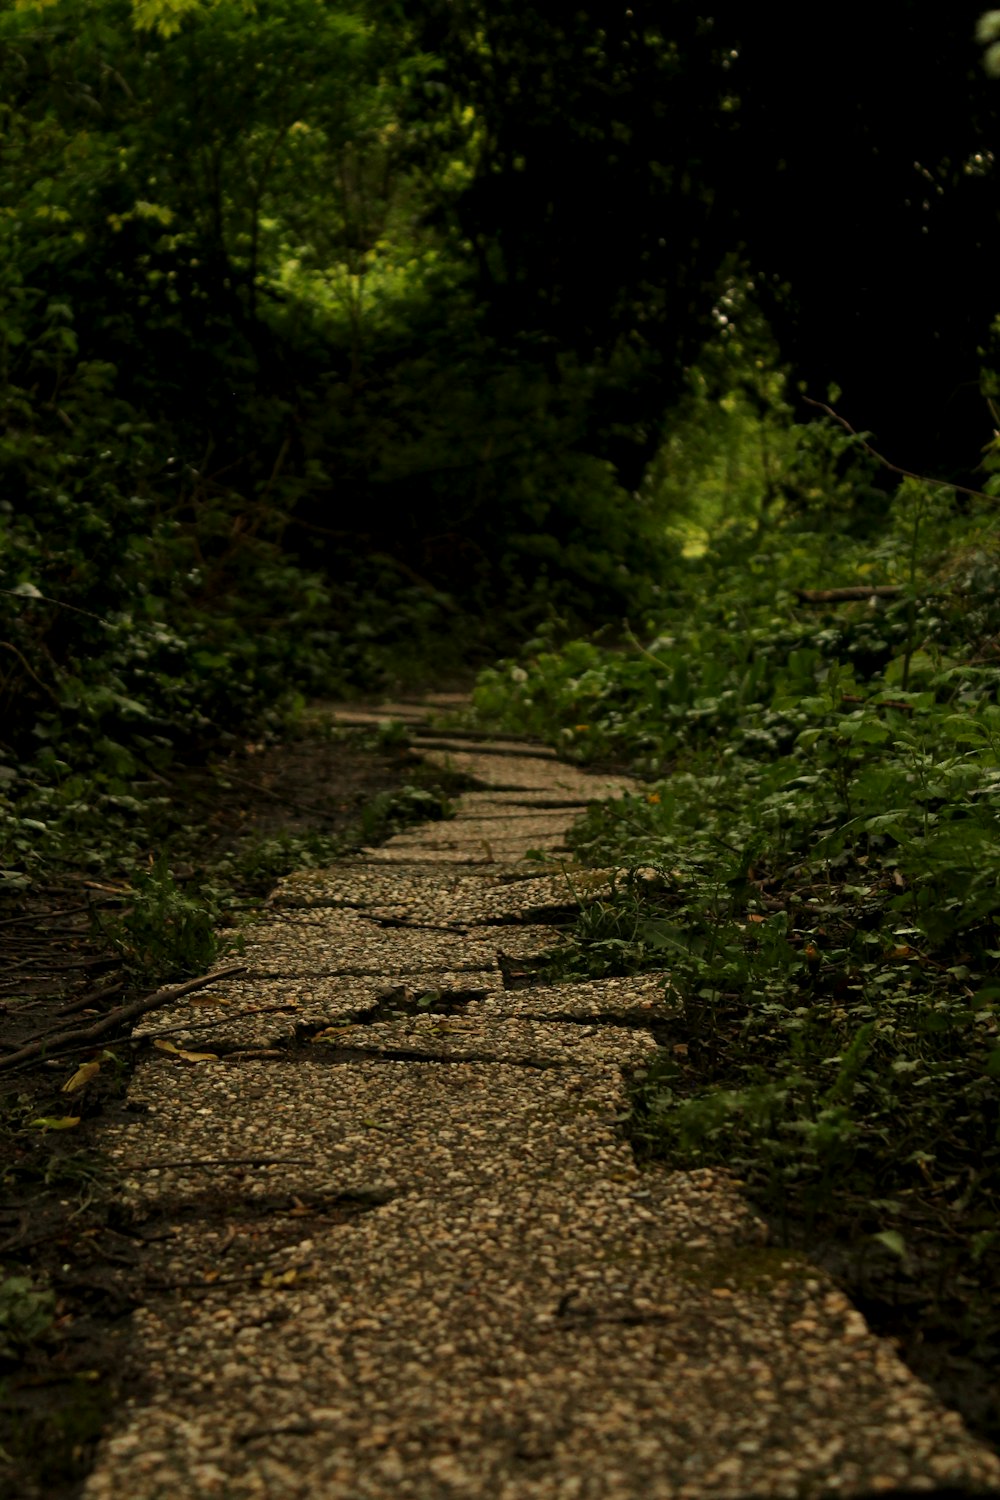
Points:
[(27, 667), (61, 1041), (945, 484), (61, 603), (82, 1001), (265, 791), (33, 916), (854, 591)]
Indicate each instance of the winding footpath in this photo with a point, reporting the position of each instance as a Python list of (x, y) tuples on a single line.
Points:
[(401, 1248)]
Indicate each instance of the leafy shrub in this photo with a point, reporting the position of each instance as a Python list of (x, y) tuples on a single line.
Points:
[(27, 1312), (164, 933), (814, 864)]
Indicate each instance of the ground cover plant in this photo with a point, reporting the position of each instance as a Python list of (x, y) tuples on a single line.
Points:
[(813, 859)]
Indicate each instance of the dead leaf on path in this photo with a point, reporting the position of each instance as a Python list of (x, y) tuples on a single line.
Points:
[(53, 1122), (191, 1057), (337, 1029), (84, 1073), (279, 1278)]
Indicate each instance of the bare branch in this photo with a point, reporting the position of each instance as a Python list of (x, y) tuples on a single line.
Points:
[(63, 1041), (944, 484)]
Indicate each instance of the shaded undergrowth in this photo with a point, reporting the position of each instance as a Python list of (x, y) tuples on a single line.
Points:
[(814, 864)]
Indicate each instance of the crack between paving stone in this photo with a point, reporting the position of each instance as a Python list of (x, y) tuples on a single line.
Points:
[(316, 976), (333, 1055)]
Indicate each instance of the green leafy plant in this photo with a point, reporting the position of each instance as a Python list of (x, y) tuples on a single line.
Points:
[(390, 811), (164, 933), (27, 1311), (812, 864)]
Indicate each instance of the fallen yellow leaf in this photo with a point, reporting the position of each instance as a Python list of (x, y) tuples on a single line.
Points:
[(192, 1057), (52, 1122), (282, 1278), (84, 1073)]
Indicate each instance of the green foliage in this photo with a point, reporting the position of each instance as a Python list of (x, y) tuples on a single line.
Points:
[(263, 863), (164, 933), (256, 439), (813, 862), (27, 1312), (389, 812)]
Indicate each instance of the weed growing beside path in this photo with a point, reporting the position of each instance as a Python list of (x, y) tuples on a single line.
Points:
[(815, 862)]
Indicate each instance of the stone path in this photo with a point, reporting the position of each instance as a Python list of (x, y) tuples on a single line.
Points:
[(404, 1249)]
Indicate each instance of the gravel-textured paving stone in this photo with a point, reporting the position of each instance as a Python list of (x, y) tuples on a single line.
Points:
[(400, 1246), (267, 1012), (525, 773), (645, 999), (483, 1033), (349, 942), (479, 745), (498, 804), (460, 897), (524, 1314), (492, 851), (469, 828), (428, 1126)]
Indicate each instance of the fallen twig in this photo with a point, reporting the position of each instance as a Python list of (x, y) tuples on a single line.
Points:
[(855, 591), (61, 1041), (33, 916), (82, 1001), (265, 791), (944, 484)]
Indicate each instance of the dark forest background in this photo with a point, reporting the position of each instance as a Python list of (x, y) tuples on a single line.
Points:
[(335, 333)]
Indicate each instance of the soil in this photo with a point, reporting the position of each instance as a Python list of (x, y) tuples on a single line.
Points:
[(71, 1267)]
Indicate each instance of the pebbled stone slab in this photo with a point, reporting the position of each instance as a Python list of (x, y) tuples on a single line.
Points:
[(276, 1012), (483, 1033), (462, 896), (642, 1000), (493, 851), (267, 1013), (531, 774), (470, 828), (500, 804), (349, 942), (532, 1321), (482, 745), (420, 1125)]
